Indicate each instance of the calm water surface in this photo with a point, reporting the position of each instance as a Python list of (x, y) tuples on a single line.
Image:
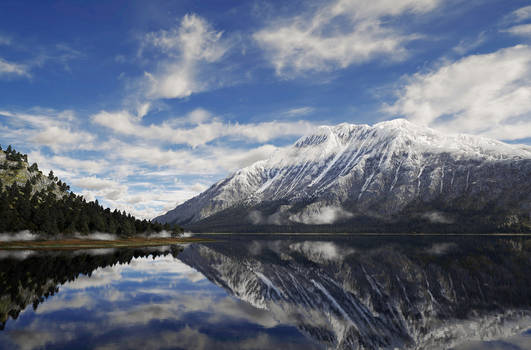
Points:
[(273, 292)]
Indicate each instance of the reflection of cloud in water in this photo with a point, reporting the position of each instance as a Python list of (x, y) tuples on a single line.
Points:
[(15, 254), (190, 338), (187, 234), (517, 342), (62, 302), (183, 303), (33, 339), (99, 278), (95, 252), (134, 307), (441, 248), (318, 251), (146, 266)]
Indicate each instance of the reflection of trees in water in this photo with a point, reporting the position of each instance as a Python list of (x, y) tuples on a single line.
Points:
[(35, 278)]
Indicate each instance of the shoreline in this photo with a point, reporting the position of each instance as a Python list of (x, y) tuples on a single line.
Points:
[(74, 243), (354, 234), (204, 237)]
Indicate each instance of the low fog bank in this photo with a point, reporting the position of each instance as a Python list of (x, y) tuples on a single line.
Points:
[(19, 236), (313, 214), (96, 236)]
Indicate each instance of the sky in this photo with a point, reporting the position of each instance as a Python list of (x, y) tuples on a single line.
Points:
[(144, 104)]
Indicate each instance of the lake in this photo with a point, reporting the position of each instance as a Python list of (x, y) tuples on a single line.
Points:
[(273, 292)]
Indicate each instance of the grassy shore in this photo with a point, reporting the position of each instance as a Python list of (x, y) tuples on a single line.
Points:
[(72, 244)]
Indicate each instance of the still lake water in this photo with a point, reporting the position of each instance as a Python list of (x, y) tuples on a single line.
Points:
[(273, 292)]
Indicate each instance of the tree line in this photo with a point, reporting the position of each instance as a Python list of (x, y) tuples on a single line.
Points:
[(45, 212)]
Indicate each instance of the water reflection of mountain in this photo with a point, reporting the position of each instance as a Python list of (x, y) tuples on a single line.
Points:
[(30, 277), (365, 293)]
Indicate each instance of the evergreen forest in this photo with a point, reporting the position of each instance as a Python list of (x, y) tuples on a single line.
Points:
[(45, 205)]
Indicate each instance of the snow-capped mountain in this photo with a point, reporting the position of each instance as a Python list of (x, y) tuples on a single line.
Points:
[(357, 177)]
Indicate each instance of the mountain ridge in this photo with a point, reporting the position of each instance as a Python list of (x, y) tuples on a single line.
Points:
[(349, 173)]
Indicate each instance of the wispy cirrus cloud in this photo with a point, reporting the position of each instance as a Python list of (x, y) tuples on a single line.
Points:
[(514, 24), (488, 94), (467, 45), (11, 69), (298, 111), (338, 35), (35, 57), (519, 15)]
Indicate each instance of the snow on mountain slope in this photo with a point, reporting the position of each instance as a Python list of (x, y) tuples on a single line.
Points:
[(340, 172)]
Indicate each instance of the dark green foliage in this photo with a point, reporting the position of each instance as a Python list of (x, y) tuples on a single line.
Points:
[(33, 167), (45, 213), (14, 156)]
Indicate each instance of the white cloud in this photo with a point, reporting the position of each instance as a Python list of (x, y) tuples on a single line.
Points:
[(316, 215), (520, 15), (339, 34), (437, 217), (13, 69), (297, 112), (201, 133), (94, 183), (521, 30), (467, 45), (233, 159), (161, 167), (188, 47), (55, 129), (67, 165), (55, 136), (106, 189), (487, 94), (35, 57), (208, 160)]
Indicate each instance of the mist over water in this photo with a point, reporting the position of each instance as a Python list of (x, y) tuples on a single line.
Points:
[(19, 236), (96, 236)]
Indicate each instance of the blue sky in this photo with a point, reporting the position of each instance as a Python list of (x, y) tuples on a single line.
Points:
[(145, 104)]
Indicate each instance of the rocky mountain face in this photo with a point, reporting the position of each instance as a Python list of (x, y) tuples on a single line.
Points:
[(14, 169), (370, 293), (393, 176)]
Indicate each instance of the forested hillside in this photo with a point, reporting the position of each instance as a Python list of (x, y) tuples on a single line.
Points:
[(30, 200)]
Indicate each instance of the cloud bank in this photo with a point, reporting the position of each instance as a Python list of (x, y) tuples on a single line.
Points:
[(487, 94)]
